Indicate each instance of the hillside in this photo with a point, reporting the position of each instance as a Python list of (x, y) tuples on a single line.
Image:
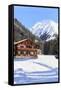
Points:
[(21, 32)]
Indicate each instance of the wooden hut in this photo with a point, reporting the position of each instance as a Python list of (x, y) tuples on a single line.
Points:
[(25, 48)]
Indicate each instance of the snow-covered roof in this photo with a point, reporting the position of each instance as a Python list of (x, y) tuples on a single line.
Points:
[(21, 41)]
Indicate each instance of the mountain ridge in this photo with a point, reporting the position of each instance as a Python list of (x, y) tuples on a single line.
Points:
[(45, 29)]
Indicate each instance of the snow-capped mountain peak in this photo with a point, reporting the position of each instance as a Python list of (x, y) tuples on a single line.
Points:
[(45, 29)]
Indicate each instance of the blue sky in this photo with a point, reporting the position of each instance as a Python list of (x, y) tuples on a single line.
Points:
[(28, 16)]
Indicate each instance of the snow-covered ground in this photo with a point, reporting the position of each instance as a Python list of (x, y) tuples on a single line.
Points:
[(42, 69)]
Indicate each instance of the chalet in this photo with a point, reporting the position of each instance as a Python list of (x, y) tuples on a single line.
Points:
[(25, 48)]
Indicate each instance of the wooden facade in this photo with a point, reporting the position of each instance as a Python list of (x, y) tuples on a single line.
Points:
[(25, 48)]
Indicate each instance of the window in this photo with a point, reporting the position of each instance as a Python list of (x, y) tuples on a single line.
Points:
[(24, 52), (31, 53), (22, 46), (29, 46), (19, 52)]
